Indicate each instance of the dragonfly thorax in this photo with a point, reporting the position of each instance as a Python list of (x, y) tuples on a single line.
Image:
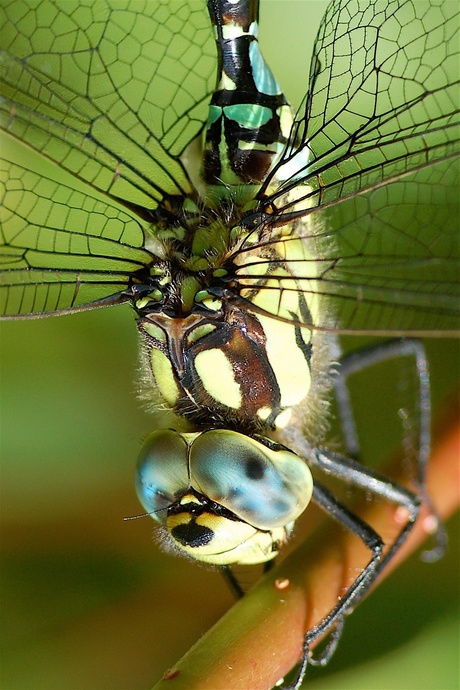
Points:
[(225, 333), (227, 365)]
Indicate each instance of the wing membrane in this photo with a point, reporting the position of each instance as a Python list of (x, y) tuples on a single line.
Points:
[(386, 261), (62, 248), (114, 92), (383, 99), (111, 94), (372, 167)]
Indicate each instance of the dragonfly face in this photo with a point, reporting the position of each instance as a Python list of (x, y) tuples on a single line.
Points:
[(222, 496), (240, 233)]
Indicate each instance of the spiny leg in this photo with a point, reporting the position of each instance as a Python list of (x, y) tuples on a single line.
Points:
[(356, 475), (362, 359), (353, 473)]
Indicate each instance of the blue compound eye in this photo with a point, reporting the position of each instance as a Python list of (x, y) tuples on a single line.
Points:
[(162, 471), (266, 488)]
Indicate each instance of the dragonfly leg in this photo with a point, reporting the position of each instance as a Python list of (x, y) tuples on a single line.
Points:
[(362, 359), (232, 581), (354, 474)]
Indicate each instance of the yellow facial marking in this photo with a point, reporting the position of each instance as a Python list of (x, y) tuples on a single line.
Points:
[(188, 498), (155, 331), (200, 332)]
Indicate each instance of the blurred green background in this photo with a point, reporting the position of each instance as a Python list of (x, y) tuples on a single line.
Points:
[(89, 601)]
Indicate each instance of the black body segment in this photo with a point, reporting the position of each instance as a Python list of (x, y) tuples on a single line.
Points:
[(244, 135)]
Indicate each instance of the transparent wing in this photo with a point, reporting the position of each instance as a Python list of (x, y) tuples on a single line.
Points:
[(382, 101), (372, 168), (111, 91), (62, 249), (383, 262)]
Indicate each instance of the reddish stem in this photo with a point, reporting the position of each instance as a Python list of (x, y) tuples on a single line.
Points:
[(259, 639)]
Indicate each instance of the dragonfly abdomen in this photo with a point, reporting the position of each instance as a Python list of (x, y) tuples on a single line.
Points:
[(249, 118)]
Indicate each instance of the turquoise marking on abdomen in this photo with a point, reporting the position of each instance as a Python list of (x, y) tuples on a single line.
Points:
[(248, 114), (263, 76)]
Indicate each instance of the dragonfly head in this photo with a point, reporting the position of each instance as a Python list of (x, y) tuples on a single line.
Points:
[(223, 497)]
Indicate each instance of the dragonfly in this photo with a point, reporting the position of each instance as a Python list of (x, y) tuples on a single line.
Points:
[(247, 236)]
